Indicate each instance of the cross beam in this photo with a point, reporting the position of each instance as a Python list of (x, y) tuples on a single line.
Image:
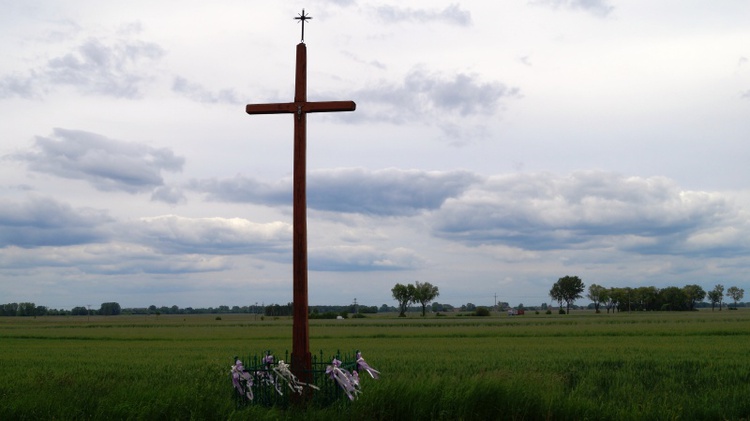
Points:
[(301, 357)]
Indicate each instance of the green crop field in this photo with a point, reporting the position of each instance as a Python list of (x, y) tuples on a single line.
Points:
[(639, 366)]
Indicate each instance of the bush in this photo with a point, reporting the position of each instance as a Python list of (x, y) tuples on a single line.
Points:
[(482, 311), (326, 315)]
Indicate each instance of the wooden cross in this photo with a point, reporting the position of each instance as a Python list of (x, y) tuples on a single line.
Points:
[(301, 358)]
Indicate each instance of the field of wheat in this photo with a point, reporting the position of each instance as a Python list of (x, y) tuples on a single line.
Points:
[(627, 366)]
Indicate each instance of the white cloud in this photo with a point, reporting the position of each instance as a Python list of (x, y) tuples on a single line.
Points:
[(596, 7), (199, 93), (106, 259), (452, 14), (362, 258), (220, 236)]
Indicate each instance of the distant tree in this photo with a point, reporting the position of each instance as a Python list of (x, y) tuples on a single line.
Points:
[(468, 307), (626, 299), (110, 309), (384, 308), (26, 309), (735, 294), (673, 299), (568, 289), (79, 311), (556, 294), (10, 309), (693, 294), (404, 294), (646, 298), (715, 296), (596, 295), (611, 299), (424, 293)]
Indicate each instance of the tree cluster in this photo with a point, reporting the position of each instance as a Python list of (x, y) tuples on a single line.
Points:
[(650, 298), (422, 293)]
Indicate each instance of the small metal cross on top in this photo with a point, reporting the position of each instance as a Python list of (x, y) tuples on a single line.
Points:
[(301, 357), (302, 17)]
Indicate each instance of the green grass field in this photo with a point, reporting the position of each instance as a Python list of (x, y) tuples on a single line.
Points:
[(581, 366)]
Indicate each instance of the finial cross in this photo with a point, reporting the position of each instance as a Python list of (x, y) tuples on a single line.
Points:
[(302, 17)]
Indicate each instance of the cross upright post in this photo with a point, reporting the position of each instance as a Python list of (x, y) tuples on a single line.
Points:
[(301, 359)]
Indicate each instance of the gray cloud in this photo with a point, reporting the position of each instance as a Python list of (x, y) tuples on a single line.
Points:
[(168, 194), (118, 69), (219, 236), (384, 192), (424, 95), (241, 189), (446, 101), (105, 163), (387, 192), (17, 85), (599, 8), (42, 222), (452, 14), (196, 92), (588, 210)]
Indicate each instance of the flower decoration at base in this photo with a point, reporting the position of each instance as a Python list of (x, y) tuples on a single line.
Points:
[(284, 374), (348, 381), (266, 379), (363, 366), (242, 380)]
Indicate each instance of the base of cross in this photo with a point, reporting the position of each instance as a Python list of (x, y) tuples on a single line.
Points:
[(264, 380)]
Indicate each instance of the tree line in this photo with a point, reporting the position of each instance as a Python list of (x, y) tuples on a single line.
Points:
[(647, 298), (31, 309), (114, 308)]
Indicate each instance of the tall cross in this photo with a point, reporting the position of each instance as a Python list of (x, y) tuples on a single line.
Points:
[(301, 357)]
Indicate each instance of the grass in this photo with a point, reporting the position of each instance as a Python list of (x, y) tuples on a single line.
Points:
[(581, 366)]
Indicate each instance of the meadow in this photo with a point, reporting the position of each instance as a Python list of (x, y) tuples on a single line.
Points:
[(626, 366)]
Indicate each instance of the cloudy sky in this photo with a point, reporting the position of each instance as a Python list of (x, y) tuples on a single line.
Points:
[(496, 147)]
